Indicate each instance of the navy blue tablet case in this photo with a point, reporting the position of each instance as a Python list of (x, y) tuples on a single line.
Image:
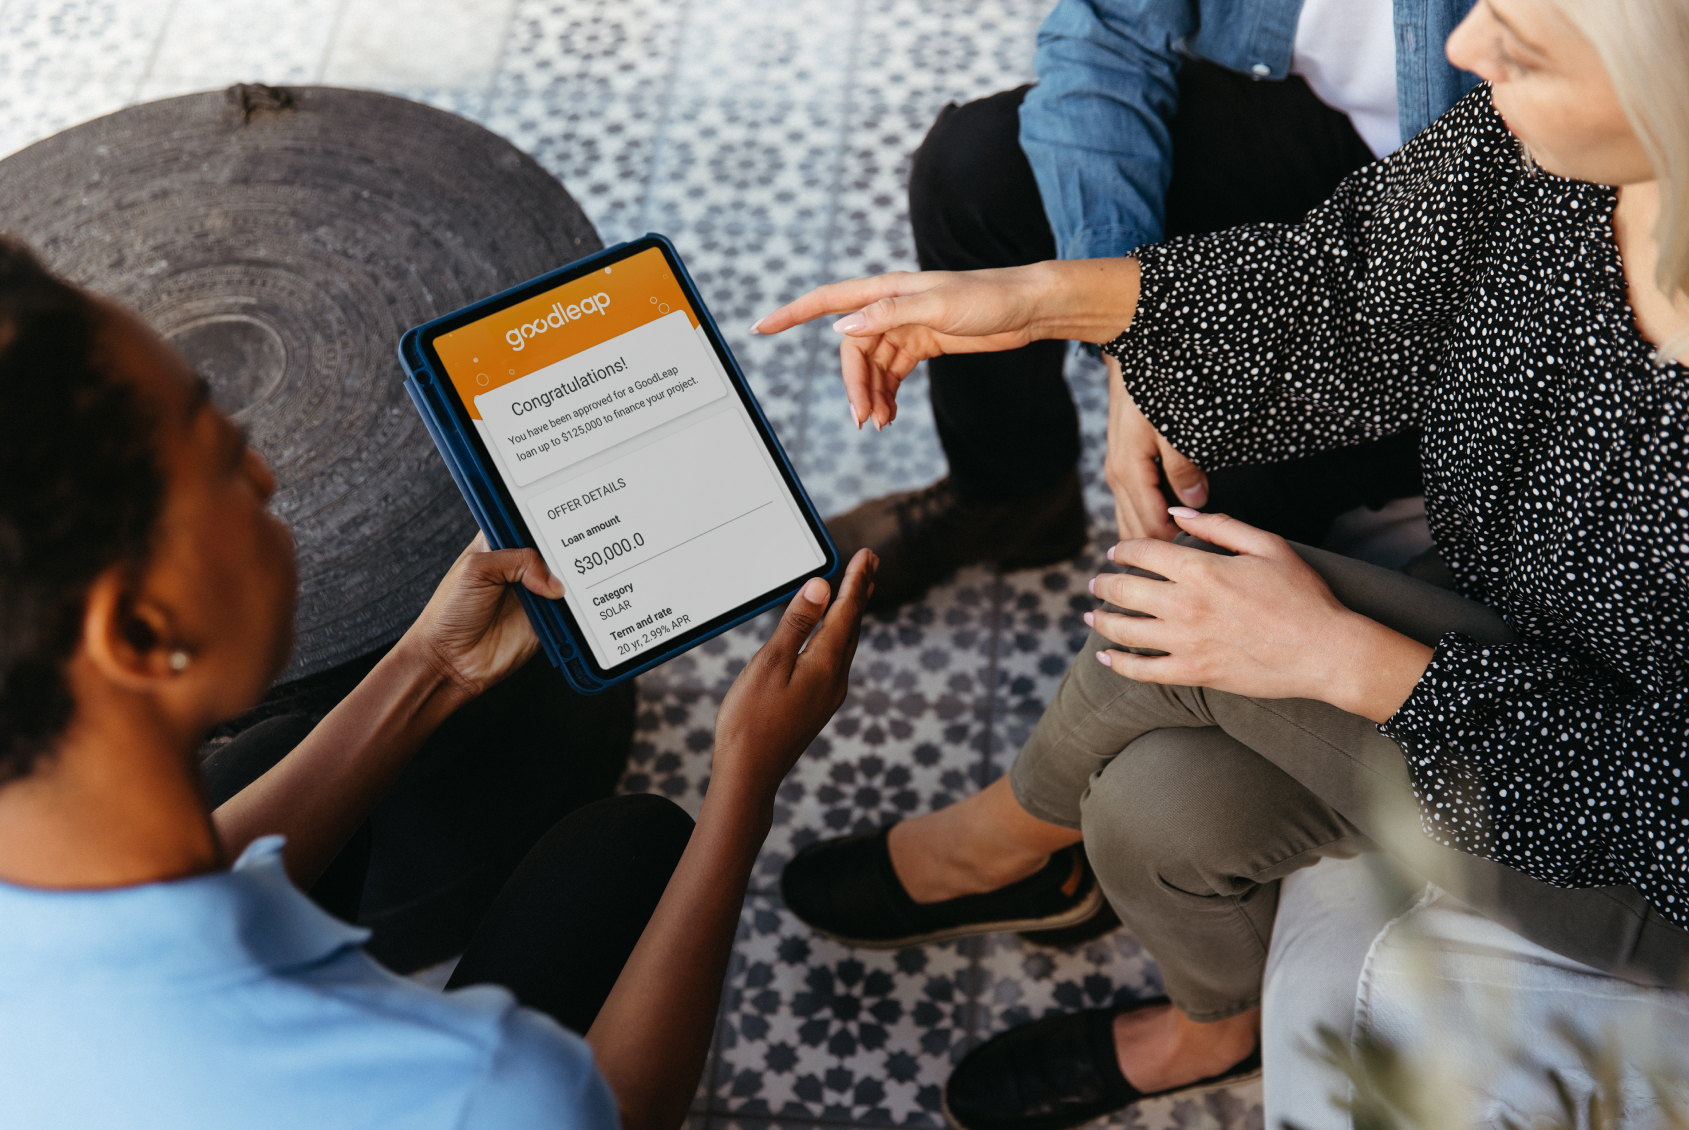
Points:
[(486, 500)]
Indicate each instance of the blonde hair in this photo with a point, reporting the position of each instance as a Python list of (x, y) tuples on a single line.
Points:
[(1644, 45)]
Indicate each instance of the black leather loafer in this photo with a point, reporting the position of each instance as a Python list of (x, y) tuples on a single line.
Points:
[(1055, 1074), (847, 889)]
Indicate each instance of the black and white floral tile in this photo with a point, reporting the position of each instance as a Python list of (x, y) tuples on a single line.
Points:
[(772, 143)]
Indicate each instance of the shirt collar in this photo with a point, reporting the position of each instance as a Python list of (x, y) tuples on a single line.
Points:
[(228, 924)]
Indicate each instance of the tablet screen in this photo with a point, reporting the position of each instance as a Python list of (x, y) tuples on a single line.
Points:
[(636, 464)]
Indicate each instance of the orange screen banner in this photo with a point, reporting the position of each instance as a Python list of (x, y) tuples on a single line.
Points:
[(543, 330)]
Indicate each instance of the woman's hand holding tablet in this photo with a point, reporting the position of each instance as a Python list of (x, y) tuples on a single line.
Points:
[(596, 415)]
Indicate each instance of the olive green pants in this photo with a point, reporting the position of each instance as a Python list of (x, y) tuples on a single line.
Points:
[(1194, 803)]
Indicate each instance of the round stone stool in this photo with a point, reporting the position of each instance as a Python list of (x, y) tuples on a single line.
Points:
[(283, 239)]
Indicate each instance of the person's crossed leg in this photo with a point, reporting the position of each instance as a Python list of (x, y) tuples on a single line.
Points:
[(1191, 805)]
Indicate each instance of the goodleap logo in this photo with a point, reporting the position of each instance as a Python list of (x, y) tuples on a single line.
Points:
[(556, 318)]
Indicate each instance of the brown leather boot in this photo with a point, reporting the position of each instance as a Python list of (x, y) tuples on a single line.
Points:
[(923, 536)]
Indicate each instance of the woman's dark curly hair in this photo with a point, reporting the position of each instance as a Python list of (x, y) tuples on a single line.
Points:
[(80, 491)]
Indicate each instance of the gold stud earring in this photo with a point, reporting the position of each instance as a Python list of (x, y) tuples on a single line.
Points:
[(178, 660)]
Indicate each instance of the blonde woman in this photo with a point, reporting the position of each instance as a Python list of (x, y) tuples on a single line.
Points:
[(1514, 282)]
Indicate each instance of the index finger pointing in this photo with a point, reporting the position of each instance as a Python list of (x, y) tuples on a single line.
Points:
[(834, 298)]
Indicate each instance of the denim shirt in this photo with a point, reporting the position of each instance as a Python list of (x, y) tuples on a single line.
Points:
[(1096, 126)]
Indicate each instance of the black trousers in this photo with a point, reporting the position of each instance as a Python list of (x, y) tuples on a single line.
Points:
[(1244, 151), (475, 799), (569, 913)]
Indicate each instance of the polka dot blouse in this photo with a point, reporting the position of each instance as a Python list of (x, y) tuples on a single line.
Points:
[(1453, 288)]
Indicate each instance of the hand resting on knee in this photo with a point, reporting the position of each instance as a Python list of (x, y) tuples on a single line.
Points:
[(1260, 623)]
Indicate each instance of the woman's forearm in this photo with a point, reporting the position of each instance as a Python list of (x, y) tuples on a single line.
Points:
[(653, 1033), (1083, 299), (1375, 672), (320, 792)]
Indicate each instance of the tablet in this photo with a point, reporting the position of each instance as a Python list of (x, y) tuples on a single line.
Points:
[(596, 414)]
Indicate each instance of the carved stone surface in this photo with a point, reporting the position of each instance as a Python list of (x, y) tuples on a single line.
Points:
[(283, 239)]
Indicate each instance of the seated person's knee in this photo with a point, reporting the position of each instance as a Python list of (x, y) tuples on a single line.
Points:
[(959, 170), (1170, 791)]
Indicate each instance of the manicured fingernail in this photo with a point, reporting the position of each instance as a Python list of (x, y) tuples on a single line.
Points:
[(1102, 657), (855, 418), (1092, 586), (1197, 496), (1109, 553), (849, 324), (1183, 512), (756, 326), (878, 427), (1090, 619)]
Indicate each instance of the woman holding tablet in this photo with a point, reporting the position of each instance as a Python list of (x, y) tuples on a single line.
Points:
[(1486, 284), (145, 595)]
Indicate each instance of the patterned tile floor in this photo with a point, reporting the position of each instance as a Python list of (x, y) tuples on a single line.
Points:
[(771, 142)]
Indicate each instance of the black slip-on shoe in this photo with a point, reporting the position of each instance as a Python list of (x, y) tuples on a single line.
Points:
[(1104, 921), (1055, 1074), (847, 889)]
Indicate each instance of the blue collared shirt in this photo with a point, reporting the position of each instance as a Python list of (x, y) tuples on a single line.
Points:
[(230, 1000), (1095, 126)]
